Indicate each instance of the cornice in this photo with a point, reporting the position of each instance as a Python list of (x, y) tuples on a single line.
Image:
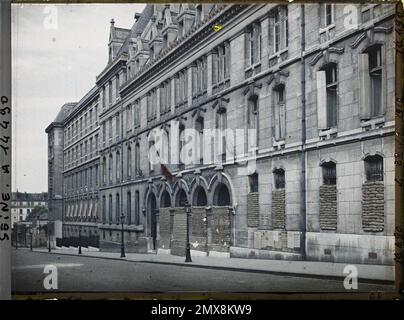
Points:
[(193, 37)]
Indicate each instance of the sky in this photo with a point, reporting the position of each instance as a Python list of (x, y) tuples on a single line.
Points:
[(57, 52)]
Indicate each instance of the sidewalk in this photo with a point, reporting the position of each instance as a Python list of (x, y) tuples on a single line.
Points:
[(327, 270)]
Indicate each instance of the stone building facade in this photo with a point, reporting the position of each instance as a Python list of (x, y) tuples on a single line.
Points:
[(22, 203), (311, 84)]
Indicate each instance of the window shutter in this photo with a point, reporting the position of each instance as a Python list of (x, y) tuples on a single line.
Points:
[(321, 100), (364, 86)]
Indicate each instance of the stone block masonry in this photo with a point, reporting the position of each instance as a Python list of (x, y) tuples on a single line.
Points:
[(220, 229), (278, 209), (199, 236), (373, 206), (253, 209), (165, 228), (328, 207), (178, 245)]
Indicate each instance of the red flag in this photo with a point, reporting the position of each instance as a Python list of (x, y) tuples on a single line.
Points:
[(165, 172)]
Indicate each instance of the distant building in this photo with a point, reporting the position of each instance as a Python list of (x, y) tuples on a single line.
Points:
[(22, 203)]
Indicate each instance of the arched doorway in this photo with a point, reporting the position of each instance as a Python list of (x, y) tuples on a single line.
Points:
[(165, 223), (221, 196), (151, 212), (221, 219), (165, 200), (199, 198), (180, 224), (199, 224), (180, 199)]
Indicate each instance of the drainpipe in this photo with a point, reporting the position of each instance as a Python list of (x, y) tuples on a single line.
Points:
[(303, 153)]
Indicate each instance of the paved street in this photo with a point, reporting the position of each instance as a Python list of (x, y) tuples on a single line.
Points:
[(99, 274)]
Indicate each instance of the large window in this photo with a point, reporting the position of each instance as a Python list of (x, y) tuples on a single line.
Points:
[(137, 158), (104, 209), (375, 72), (118, 165), (110, 92), (137, 208), (221, 124), (331, 85), (128, 118), (118, 126), (110, 128), (199, 76), (327, 14), (129, 162), (181, 143), (253, 44), (181, 87), (136, 115), (110, 162), (253, 182), (279, 178), (329, 173), (199, 127), (327, 96), (151, 100), (280, 28), (129, 208), (374, 168), (280, 112), (118, 209), (110, 209)]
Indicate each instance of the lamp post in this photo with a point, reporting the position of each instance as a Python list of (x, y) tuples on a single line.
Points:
[(188, 246), (80, 239), (30, 235), (16, 236), (122, 240), (49, 238)]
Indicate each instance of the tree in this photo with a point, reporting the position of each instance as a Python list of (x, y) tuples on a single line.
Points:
[(40, 211)]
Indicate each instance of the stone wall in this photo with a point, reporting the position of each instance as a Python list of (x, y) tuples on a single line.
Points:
[(373, 206), (179, 232), (328, 207), (165, 228), (253, 209), (220, 229), (276, 240), (199, 235), (278, 209)]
